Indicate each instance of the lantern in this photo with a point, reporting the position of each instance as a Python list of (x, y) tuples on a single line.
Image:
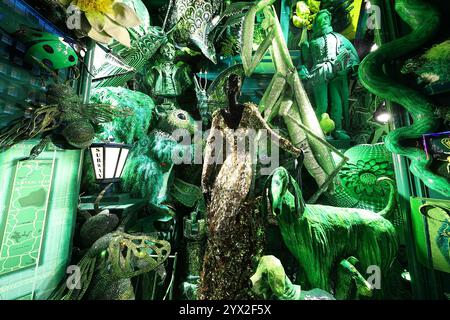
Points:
[(108, 160)]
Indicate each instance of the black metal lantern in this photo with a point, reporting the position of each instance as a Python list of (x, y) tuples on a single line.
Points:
[(108, 160)]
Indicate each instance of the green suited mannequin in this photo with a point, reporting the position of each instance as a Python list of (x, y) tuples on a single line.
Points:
[(327, 60)]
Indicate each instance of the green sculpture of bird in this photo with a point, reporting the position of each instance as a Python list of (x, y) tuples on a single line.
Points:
[(326, 123)]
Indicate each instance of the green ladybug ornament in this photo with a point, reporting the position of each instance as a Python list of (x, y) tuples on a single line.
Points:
[(47, 48)]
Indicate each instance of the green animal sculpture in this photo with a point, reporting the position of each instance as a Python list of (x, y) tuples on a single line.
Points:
[(270, 281), (321, 236), (123, 62), (424, 20)]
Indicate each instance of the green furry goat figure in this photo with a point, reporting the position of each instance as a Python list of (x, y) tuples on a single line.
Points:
[(321, 236), (148, 171)]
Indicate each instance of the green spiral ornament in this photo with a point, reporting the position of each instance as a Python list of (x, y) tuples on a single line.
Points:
[(424, 20)]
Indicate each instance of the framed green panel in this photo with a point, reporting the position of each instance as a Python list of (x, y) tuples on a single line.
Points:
[(431, 229), (38, 202), (22, 232)]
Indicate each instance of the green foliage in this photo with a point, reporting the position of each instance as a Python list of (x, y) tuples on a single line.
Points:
[(230, 46), (149, 167), (125, 129), (439, 51)]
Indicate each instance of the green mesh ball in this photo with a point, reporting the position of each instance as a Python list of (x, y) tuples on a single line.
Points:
[(79, 134), (359, 176)]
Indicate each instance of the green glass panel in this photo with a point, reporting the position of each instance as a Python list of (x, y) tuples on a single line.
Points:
[(38, 201), (26, 215)]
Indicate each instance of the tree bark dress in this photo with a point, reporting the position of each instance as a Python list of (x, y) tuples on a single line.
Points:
[(235, 226)]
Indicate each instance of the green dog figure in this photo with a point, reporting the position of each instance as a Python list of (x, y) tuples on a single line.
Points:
[(320, 237)]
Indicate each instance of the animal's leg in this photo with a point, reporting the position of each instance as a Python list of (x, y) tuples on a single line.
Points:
[(350, 284)]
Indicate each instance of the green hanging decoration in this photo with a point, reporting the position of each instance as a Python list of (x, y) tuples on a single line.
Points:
[(47, 48)]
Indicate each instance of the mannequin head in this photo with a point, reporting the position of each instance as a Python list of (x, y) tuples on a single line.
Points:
[(233, 87), (322, 23)]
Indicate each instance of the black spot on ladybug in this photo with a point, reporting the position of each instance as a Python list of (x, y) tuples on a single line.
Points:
[(182, 116), (48, 63), (71, 58), (48, 49)]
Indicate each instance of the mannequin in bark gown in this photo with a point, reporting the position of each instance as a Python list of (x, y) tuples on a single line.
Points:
[(235, 225)]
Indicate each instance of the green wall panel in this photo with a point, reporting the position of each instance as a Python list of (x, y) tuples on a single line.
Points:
[(38, 201)]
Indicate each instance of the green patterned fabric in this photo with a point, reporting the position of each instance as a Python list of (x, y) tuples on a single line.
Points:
[(359, 175)]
